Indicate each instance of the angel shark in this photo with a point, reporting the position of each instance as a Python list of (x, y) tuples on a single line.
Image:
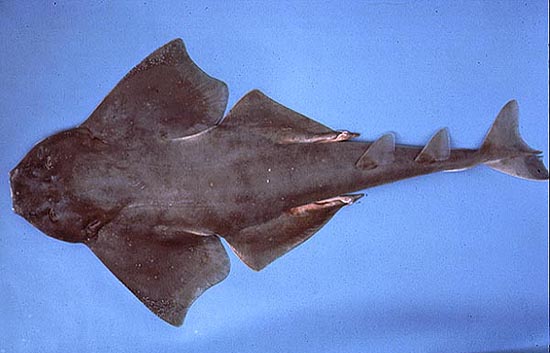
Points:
[(154, 178)]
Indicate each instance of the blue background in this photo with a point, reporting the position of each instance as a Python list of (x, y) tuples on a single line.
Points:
[(442, 263)]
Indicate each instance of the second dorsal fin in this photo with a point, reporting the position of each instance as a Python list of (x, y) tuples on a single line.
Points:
[(382, 151), (438, 148)]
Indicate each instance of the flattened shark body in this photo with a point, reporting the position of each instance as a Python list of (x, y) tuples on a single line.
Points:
[(155, 177)]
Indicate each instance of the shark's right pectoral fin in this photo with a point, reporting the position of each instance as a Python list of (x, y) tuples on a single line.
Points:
[(259, 245), (166, 267)]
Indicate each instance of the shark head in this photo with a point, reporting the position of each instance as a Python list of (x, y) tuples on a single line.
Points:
[(40, 186)]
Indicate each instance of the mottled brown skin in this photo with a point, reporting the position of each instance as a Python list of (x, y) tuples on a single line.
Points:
[(154, 177)]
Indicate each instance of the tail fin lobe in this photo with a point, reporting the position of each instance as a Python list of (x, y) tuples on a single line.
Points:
[(525, 167), (507, 151), (504, 134)]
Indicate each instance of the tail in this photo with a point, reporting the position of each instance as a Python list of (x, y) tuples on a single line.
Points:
[(507, 152)]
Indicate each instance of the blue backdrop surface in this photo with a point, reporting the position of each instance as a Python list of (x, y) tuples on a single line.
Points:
[(443, 263)]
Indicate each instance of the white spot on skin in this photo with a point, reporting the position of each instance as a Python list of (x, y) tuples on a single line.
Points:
[(267, 181)]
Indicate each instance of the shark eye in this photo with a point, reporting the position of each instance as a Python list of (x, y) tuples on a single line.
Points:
[(53, 215), (48, 163)]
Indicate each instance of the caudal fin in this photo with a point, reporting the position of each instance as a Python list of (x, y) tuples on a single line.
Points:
[(506, 150)]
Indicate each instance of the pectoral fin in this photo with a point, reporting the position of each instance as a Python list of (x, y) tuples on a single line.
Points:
[(166, 269), (261, 244), (166, 96)]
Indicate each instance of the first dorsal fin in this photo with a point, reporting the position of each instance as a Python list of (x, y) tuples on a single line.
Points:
[(166, 96), (261, 114), (437, 150), (380, 152)]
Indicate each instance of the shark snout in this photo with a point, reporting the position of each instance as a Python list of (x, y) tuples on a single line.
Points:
[(15, 190), (24, 194)]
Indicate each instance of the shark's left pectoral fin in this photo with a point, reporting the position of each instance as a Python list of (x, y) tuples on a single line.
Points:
[(261, 244), (165, 267), (166, 96)]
